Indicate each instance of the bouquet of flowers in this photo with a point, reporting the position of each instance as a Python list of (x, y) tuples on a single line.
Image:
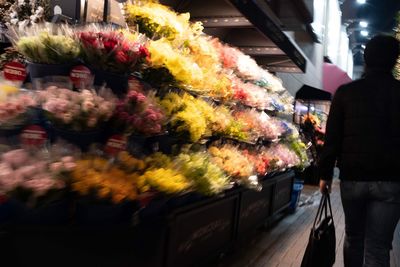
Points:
[(232, 161), (23, 171), (24, 13), (43, 45), (234, 59), (110, 50), (282, 157), (188, 115), (207, 177), (182, 68), (156, 20), (77, 111), (228, 55), (14, 109), (260, 161), (226, 125), (95, 175), (139, 113), (250, 94), (272, 83), (167, 180), (301, 150)]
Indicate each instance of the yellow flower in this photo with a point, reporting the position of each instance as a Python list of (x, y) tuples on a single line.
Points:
[(166, 180)]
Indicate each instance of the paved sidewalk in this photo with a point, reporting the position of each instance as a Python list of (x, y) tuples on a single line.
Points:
[(283, 244)]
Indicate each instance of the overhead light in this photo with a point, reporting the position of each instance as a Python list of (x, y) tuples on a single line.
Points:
[(363, 24), (363, 46), (361, 2), (364, 33)]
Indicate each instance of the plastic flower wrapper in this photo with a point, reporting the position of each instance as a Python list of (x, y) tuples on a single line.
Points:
[(260, 161), (99, 177), (156, 20), (226, 125), (247, 68), (111, 50), (249, 94), (139, 113), (207, 177), (282, 157), (228, 55), (15, 109), (287, 101), (77, 111), (202, 51), (47, 45), (250, 121), (270, 82), (32, 174), (230, 159)]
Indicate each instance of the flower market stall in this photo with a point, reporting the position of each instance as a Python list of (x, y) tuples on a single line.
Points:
[(150, 145)]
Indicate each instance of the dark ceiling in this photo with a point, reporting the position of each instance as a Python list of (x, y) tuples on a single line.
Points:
[(380, 15)]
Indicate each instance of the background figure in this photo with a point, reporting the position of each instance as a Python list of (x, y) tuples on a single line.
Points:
[(363, 138)]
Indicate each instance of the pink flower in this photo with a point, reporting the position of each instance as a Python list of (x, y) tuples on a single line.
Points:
[(15, 158), (69, 166), (56, 166), (27, 171), (87, 106), (67, 159)]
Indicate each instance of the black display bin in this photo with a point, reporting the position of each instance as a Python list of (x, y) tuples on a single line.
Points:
[(255, 207), (282, 192), (200, 233)]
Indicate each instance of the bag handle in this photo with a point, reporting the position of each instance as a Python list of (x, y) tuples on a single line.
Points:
[(324, 205)]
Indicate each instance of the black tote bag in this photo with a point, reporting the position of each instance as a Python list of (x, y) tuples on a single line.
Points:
[(321, 248)]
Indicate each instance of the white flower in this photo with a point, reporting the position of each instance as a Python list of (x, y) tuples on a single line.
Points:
[(22, 24)]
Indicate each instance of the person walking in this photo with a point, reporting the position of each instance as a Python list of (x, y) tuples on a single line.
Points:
[(363, 139)]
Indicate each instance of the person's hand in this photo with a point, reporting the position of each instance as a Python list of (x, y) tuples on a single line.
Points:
[(325, 186)]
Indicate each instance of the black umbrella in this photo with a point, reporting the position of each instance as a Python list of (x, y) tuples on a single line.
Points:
[(307, 92)]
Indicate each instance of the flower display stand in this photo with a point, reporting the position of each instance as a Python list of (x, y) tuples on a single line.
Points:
[(186, 230)]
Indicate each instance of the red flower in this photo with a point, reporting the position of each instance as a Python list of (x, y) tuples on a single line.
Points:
[(144, 52), (110, 45), (123, 115), (121, 57)]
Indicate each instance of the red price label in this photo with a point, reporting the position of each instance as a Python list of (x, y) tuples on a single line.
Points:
[(14, 71), (116, 144), (33, 135), (80, 76)]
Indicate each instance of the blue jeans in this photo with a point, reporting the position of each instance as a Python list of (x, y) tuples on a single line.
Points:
[(372, 211)]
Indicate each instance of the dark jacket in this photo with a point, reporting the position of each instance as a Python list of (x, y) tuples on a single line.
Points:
[(363, 130)]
